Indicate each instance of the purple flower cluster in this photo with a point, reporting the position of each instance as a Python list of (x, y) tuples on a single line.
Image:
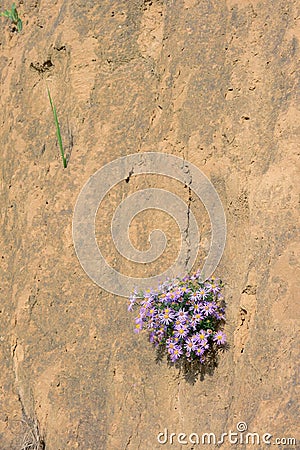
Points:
[(185, 317)]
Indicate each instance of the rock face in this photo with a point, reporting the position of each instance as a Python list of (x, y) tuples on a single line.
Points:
[(214, 83)]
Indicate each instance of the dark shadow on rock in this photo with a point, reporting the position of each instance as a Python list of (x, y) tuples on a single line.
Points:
[(194, 370)]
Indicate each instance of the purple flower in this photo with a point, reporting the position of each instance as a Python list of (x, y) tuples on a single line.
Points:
[(176, 353), (147, 302), (181, 331), (213, 287), (199, 351), (209, 308), (190, 345), (142, 314), (148, 293), (183, 290), (152, 311), (172, 296), (177, 291), (213, 306), (219, 316), (196, 307), (206, 310), (202, 293), (220, 338), (138, 319), (194, 296), (195, 339), (205, 346), (131, 305), (201, 338), (132, 300), (160, 334), (171, 345), (163, 297), (177, 323), (182, 315), (193, 323), (152, 337), (138, 327), (197, 317), (167, 316)]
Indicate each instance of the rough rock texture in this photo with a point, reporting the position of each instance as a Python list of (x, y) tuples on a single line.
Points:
[(211, 81)]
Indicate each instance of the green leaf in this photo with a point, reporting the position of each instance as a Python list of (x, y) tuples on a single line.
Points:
[(6, 14), (58, 134), (14, 16), (19, 25)]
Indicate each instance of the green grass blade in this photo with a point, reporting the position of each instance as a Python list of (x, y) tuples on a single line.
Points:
[(14, 13), (13, 16), (6, 14), (58, 134)]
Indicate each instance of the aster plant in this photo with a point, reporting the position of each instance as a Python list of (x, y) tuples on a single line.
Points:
[(183, 317)]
